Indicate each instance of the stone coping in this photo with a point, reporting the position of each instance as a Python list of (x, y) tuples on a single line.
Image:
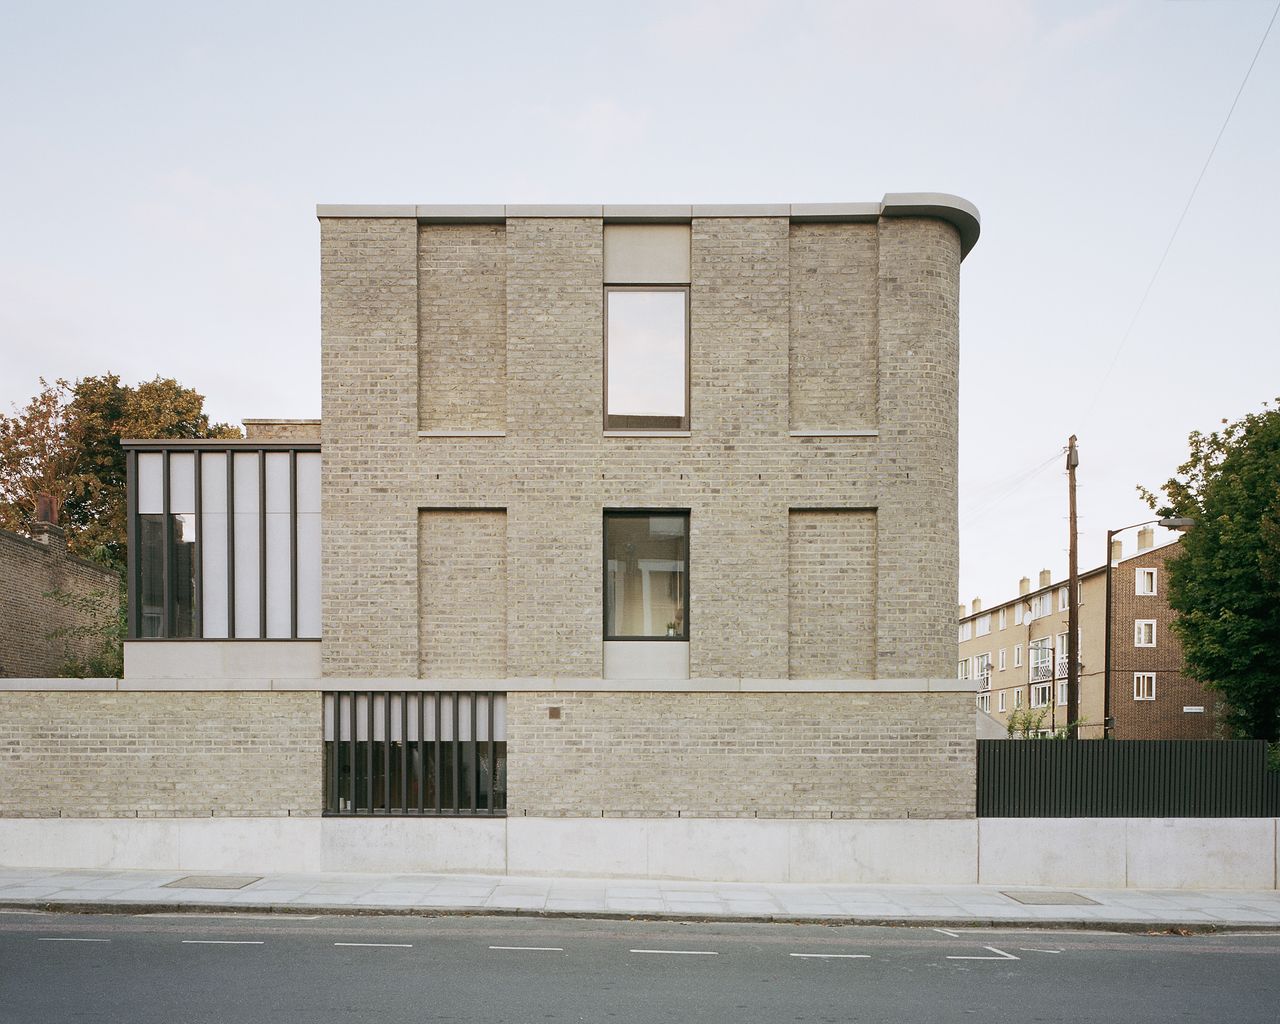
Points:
[(944, 206), (523, 684)]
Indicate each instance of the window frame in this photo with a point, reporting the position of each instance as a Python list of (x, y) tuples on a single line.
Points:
[(642, 513), (1144, 676), (658, 427), (1138, 631), (1138, 576)]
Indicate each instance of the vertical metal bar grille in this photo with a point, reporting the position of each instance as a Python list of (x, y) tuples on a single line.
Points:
[(231, 545), (262, 545), (367, 773)]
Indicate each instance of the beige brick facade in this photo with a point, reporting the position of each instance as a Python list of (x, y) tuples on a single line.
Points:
[(97, 755), (54, 607), (765, 755), (740, 473)]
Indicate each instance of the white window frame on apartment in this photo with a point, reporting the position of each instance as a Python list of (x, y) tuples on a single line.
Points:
[(984, 701), (1041, 694), (1140, 630), (1062, 693), (1144, 583), (1000, 703), (1017, 614), (966, 630), (962, 669), (1017, 698), (983, 626), (1001, 659), (1062, 599), (1002, 618), (1017, 655), (1144, 686)]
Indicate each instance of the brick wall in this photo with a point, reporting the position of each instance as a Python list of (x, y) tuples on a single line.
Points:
[(44, 589), (153, 754), (768, 755), (739, 473), (462, 576), (832, 579), (282, 430), (1162, 718)]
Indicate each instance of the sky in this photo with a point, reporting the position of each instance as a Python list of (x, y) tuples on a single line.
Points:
[(162, 163)]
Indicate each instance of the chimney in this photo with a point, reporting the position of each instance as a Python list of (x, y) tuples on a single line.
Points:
[(977, 605), (1046, 577), (44, 527), (961, 611), (1146, 539), (1117, 550), (1024, 586)]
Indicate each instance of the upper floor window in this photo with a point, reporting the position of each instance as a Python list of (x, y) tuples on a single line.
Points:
[(1062, 599), (646, 358), (966, 630), (224, 540), (1144, 686), (983, 625), (1144, 633), (1004, 619), (646, 575), (1145, 582)]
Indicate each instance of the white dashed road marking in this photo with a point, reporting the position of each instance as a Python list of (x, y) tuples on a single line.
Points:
[(378, 945), (71, 940), (222, 942), (678, 952), (944, 931), (1000, 955), (535, 949), (832, 956), (1031, 949)]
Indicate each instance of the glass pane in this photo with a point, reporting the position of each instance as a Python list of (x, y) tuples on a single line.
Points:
[(182, 482), (151, 575), (279, 559), (645, 559), (309, 575), (184, 574), (213, 542), (309, 482), (646, 357), (245, 466), (150, 483)]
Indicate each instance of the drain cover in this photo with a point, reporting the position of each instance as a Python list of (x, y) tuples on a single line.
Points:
[(212, 882), (1051, 899)]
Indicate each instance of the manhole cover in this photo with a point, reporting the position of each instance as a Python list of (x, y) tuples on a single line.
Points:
[(212, 882), (1051, 899)]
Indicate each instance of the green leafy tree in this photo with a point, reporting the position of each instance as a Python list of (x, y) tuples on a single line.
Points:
[(1225, 582)]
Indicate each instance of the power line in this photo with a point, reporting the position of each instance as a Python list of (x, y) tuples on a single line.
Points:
[(987, 500), (1115, 357)]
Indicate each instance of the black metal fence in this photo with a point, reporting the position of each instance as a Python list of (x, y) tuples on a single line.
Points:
[(1126, 779), (409, 753)]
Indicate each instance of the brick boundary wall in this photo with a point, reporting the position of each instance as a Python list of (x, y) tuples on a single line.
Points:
[(30, 572)]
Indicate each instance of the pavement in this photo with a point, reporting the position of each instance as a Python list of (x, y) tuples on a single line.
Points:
[(79, 891)]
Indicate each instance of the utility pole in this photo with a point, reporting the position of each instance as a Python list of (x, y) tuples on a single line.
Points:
[(1073, 595)]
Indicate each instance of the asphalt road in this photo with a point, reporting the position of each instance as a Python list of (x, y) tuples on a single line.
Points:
[(184, 969)]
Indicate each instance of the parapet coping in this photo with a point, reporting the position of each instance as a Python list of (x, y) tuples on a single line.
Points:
[(522, 684), (942, 205)]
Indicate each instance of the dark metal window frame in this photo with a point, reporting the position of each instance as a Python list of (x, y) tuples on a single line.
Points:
[(642, 513), (362, 803), (643, 424), (168, 448)]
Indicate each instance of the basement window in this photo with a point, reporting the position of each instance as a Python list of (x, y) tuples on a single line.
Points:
[(646, 358)]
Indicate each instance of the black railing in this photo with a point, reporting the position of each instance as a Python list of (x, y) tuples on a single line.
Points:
[(410, 753), (1126, 779)]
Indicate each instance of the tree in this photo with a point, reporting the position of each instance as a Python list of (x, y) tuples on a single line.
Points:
[(67, 443), (1225, 582)]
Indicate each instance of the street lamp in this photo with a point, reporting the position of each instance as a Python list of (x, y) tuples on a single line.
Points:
[(1179, 523)]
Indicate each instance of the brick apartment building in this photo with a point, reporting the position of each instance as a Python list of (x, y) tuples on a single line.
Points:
[(637, 515), (1016, 653)]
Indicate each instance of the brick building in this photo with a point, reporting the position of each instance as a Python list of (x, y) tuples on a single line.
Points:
[(630, 514), (55, 608), (1016, 653)]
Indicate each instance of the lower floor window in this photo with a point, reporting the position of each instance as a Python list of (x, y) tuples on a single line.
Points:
[(1144, 686), (1040, 695)]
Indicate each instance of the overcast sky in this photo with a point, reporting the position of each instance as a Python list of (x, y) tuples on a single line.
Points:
[(162, 163)]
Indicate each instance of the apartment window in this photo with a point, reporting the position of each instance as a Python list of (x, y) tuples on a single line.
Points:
[(966, 631), (1001, 659), (1040, 694), (1145, 583), (1001, 704), (225, 540), (983, 626), (1003, 618), (984, 702), (1144, 686), (1062, 599), (646, 358), (982, 669), (1017, 699), (1017, 614), (646, 575), (1017, 655), (1144, 633), (962, 668), (1062, 693)]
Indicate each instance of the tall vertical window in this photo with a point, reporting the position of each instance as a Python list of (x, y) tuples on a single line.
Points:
[(1145, 582), (646, 358), (646, 575), (224, 540)]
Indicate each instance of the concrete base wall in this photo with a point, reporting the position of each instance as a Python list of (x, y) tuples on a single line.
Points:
[(1229, 853)]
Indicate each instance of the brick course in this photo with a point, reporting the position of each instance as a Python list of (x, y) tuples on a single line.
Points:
[(153, 754), (33, 576)]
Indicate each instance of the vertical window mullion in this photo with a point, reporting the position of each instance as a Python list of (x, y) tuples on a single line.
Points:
[(493, 759), (132, 539), (197, 597), (475, 753), (439, 769), (293, 544), (335, 803), (422, 754), (166, 554), (386, 753), (404, 753), (231, 544), (262, 545), (368, 752), (457, 757), (353, 758)]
